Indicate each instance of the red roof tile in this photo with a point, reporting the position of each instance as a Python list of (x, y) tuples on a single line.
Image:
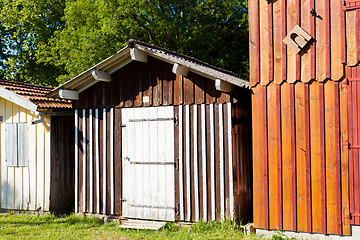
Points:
[(36, 94)]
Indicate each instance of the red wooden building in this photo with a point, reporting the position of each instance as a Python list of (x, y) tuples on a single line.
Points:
[(305, 102), (161, 136)]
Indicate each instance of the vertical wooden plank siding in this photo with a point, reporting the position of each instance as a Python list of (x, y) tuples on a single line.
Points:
[(84, 154), (322, 159), (344, 155), (330, 158), (272, 153), (351, 32), (264, 40), (112, 185), (207, 183), (307, 121), (301, 186), (91, 155), (26, 187), (277, 41), (181, 165), (258, 177), (104, 158), (77, 161), (97, 154)]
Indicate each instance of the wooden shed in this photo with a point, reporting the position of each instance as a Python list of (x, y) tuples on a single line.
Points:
[(161, 136), (36, 149), (304, 64)]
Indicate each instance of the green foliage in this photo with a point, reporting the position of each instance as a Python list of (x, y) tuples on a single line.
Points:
[(25, 24), (51, 41), (14, 226)]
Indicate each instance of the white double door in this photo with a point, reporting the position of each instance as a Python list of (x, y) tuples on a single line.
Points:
[(148, 163)]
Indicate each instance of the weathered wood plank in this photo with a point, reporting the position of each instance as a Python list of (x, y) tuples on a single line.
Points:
[(351, 43), (321, 40), (273, 155), (330, 160), (337, 68), (292, 18), (258, 178), (300, 158), (264, 41), (254, 41), (305, 55), (287, 186), (278, 43)]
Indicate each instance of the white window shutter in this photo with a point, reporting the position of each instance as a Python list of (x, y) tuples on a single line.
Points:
[(11, 144), (22, 145)]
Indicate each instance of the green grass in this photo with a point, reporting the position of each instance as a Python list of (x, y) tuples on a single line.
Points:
[(14, 226)]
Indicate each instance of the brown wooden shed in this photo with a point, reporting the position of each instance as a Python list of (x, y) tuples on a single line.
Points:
[(161, 136), (304, 64)]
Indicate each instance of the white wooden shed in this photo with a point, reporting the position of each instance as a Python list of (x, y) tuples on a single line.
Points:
[(33, 170)]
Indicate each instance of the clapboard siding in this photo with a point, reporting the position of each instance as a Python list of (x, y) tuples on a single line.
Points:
[(301, 168), (334, 29), (26, 188)]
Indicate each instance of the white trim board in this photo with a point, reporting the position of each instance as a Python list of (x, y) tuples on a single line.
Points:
[(19, 100)]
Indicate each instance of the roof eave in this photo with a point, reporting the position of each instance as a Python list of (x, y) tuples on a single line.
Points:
[(122, 57), (19, 100)]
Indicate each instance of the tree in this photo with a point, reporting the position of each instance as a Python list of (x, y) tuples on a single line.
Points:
[(213, 31), (48, 42), (26, 24)]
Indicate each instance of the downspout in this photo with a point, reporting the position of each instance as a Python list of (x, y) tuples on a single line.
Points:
[(39, 120)]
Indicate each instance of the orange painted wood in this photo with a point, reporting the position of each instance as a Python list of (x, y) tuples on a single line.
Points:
[(305, 55), (330, 146), (320, 40), (300, 158), (315, 154), (258, 158), (264, 41), (254, 41), (278, 43), (287, 186), (272, 157), (344, 156), (292, 18), (337, 69), (351, 43)]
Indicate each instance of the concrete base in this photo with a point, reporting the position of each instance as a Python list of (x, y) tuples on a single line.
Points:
[(355, 235)]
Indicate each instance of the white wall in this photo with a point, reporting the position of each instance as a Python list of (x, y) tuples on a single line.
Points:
[(26, 188)]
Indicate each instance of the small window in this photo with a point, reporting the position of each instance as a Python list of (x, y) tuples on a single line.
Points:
[(16, 144)]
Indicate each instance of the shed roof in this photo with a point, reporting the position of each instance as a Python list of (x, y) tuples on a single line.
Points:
[(124, 56), (32, 97)]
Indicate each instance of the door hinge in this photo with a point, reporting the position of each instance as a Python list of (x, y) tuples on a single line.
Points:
[(177, 210), (122, 125), (122, 200), (176, 119), (176, 164)]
